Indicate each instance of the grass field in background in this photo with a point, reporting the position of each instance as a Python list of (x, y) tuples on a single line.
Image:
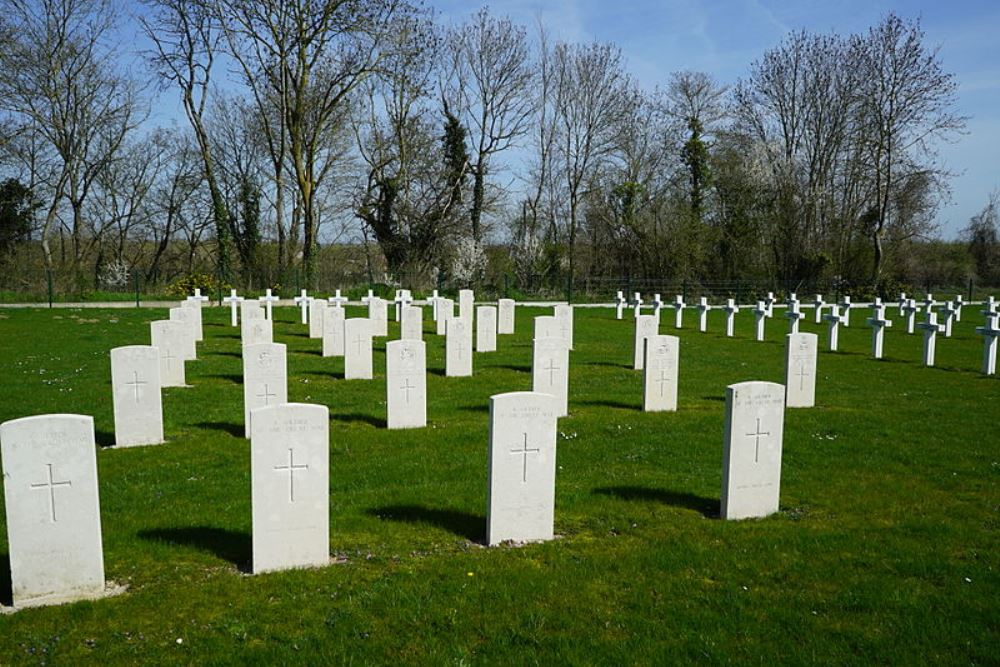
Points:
[(885, 550)]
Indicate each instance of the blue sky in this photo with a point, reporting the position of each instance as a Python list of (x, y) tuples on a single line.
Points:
[(724, 37)]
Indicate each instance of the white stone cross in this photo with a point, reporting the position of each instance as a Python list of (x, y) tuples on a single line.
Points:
[(835, 319), (268, 300), (878, 323), (929, 303), (620, 303), (909, 310), (637, 304), (958, 307), (794, 315), (337, 300), (679, 307), (931, 330), (703, 308), (367, 299), (902, 303), (302, 300), (234, 302), (769, 304), (989, 307), (819, 303), (731, 309), (989, 332), (657, 304), (949, 312), (845, 307), (760, 312)]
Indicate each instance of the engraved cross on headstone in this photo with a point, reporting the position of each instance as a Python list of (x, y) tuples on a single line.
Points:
[(551, 368), (407, 387), (360, 342), (291, 468), (266, 395), (524, 451), (756, 451), (51, 485), (802, 373), (663, 379), (135, 384), (169, 356)]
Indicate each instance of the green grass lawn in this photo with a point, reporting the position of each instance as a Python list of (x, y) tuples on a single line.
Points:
[(885, 550)]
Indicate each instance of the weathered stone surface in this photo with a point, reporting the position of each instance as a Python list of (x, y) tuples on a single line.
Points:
[(522, 471), (53, 509), (290, 482), (135, 391)]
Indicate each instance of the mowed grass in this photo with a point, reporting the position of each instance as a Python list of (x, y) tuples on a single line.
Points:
[(885, 549)]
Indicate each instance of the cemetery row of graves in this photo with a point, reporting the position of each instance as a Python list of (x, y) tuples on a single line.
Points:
[(49, 461)]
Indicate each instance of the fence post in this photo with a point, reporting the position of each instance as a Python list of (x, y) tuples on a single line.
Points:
[(48, 276), (970, 289), (506, 285), (135, 279), (569, 289)]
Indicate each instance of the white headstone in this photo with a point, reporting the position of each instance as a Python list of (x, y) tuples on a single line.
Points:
[(878, 323), (466, 303), (751, 463), (406, 383), (302, 301), (186, 317), (168, 337), (53, 510), (333, 331), (662, 365), (411, 324), (931, 329), (445, 311), (316, 309), (835, 319), (379, 316), (703, 308), (547, 326), (193, 303), (268, 300), (505, 316), (801, 351), (265, 378), (989, 332), (135, 391), (645, 326), (290, 486), (234, 301), (550, 371), (522, 471), (731, 309), (458, 347), (358, 348), (564, 314), (250, 308), (486, 329), (256, 330)]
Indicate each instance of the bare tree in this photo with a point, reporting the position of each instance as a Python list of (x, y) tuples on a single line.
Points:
[(592, 87), (186, 37), (907, 103), (489, 88), (58, 79)]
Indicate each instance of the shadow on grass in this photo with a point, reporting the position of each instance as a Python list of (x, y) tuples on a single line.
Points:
[(470, 526), (229, 545), (607, 403), (316, 353), (6, 587), (235, 430), (226, 354), (437, 371), (104, 438), (377, 422), (329, 375), (475, 408), (707, 507), (721, 399), (514, 367), (235, 378), (610, 364)]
